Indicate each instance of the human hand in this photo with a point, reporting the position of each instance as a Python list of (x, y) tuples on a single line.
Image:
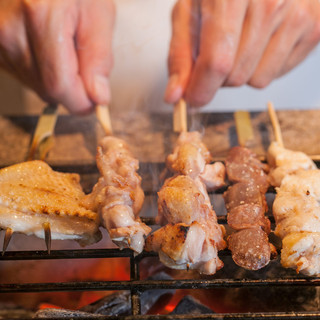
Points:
[(61, 49), (219, 43)]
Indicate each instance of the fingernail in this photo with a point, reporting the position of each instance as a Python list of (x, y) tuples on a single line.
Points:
[(174, 90), (101, 89)]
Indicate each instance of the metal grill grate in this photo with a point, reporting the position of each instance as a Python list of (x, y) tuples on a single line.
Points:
[(137, 286)]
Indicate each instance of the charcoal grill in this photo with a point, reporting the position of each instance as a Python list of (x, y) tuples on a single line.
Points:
[(136, 286)]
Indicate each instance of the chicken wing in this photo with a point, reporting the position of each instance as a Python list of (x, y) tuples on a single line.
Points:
[(32, 194)]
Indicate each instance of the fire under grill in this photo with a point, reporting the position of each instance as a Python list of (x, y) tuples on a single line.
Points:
[(136, 286)]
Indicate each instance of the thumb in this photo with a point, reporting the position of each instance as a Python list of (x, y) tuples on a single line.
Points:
[(94, 47)]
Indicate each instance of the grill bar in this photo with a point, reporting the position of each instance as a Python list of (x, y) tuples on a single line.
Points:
[(221, 316), (142, 285)]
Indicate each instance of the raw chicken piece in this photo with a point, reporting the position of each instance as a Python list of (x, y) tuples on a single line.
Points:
[(118, 196), (183, 246), (284, 161), (296, 210), (32, 194)]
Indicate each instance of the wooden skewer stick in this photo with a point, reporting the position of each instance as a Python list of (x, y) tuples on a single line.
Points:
[(43, 138), (244, 128), (275, 124), (180, 116), (103, 115), (7, 238), (47, 235)]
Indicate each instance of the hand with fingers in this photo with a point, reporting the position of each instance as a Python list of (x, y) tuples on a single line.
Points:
[(61, 49), (219, 43)]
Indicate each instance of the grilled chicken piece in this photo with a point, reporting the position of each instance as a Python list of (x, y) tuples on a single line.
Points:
[(118, 196), (32, 194), (182, 199), (193, 237), (183, 246), (284, 161), (296, 210), (191, 157), (246, 204)]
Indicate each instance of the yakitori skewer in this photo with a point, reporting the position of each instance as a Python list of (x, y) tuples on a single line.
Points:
[(41, 144), (246, 202), (283, 161), (118, 196), (296, 205), (190, 236)]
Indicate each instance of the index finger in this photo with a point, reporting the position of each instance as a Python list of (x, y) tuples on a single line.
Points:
[(221, 27)]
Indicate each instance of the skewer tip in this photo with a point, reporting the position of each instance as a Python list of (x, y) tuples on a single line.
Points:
[(7, 238), (103, 115), (47, 236)]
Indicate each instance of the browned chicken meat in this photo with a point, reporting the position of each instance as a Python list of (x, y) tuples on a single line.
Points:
[(185, 246), (246, 204), (32, 194), (192, 237), (118, 196)]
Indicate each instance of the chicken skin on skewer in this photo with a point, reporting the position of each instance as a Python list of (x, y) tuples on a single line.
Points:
[(296, 210), (283, 161), (182, 246), (191, 157), (32, 194), (193, 237), (118, 196)]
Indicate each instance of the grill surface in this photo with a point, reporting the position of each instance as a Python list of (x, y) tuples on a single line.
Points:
[(137, 286)]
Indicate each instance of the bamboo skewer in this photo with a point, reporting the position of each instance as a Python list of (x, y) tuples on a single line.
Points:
[(180, 116), (103, 116), (244, 128), (275, 124), (43, 138)]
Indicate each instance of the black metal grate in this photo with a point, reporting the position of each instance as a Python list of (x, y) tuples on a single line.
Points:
[(137, 286)]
